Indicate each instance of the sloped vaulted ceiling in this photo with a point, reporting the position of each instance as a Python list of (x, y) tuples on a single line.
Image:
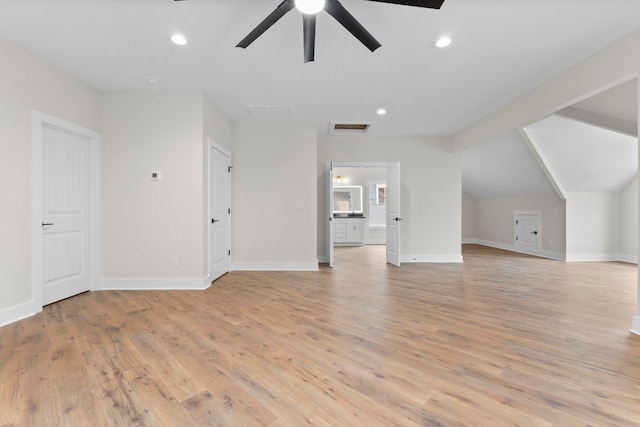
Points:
[(589, 147)]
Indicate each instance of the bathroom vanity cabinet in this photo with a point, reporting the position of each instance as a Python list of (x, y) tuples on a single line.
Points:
[(349, 231)]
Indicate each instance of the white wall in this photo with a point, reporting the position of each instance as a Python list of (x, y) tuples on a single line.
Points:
[(431, 188), (216, 125), (148, 223), (628, 239), (274, 196), (469, 226), (593, 226), (495, 227), (28, 82)]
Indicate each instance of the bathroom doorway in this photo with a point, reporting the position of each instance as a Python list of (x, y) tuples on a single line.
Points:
[(364, 207)]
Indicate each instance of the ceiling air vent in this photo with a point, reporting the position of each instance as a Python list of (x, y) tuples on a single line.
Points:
[(344, 128)]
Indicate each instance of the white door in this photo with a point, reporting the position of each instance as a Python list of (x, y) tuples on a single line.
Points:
[(65, 215), (331, 227), (527, 232), (393, 214), (219, 212)]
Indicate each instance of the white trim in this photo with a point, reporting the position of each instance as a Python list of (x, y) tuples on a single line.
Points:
[(19, 312), (511, 248), (431, 258), (631, 259), (337, 164), (375, 241), (635, 325), (38, 120), (276, 266), (198, 284), (324, 259), (602, 258)]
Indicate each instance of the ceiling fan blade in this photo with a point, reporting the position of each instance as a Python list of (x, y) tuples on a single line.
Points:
[(309, 31), (431, 4), (273, 17), (335, 9)]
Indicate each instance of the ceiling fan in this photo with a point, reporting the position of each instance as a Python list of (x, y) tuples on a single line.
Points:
[(310, 8)]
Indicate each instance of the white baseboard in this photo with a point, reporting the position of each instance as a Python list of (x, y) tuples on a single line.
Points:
[(375, 242), (431, 258), (18, 312), (635, 326), (276, 266), (510, 247), (590, 257), (323, 259), (631, 259), (156, 284)]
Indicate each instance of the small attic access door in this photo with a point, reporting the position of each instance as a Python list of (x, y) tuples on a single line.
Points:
[(527, 232)]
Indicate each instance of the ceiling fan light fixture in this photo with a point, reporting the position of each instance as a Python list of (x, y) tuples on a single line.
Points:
[(309, 7), (443, 41), (179, 39)]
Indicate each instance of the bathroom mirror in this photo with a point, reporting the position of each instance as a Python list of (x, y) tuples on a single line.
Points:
[(347, 199)]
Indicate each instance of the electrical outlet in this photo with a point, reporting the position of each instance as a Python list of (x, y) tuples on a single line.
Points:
[(175, 262)]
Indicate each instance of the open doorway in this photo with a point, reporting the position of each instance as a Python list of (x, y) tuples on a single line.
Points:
[(364, 207)]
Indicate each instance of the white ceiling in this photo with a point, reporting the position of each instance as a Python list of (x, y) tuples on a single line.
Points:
[(578, 154), (503, 167), (501, 49), (583, 157)]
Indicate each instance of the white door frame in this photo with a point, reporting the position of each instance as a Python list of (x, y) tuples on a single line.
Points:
[(394, 228), (356, 165), (211, 144), (38, 121), (332, 225)]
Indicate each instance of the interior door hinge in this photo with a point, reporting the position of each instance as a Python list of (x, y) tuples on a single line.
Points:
[(229, 251), (230, 167), (517, 221), (516, 237), (229, 210)]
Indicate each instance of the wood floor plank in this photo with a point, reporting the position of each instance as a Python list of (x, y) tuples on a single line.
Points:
[(501, 340), (179, 382)]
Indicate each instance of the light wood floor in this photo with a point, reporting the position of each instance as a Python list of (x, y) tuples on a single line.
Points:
[(502, 340)]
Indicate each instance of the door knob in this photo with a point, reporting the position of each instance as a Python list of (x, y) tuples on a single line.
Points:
[(44, 224), (533, 232), (397, 219), (214, 220)]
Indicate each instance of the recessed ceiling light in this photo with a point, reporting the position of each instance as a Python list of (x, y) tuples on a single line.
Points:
[(179, 39), (381, 111), (443, 41)]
